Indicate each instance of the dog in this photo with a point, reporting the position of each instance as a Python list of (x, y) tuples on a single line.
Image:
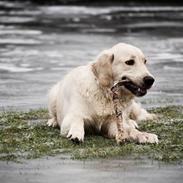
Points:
[(81, 102)]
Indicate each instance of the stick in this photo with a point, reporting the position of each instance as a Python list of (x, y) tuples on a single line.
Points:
[(120, 138)]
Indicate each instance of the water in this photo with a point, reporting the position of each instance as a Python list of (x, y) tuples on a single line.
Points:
[(39, 44), (58, 170)]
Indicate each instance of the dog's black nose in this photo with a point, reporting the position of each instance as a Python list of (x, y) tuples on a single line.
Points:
[(148, 81)]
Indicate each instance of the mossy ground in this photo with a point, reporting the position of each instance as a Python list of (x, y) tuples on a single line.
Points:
[(25, 135)]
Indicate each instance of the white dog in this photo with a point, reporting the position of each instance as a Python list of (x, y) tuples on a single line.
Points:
[(82, 101)]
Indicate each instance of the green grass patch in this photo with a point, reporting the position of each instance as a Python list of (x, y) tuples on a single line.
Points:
[(25, 135)]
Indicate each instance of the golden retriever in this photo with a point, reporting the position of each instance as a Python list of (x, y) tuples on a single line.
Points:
[(81, 101)]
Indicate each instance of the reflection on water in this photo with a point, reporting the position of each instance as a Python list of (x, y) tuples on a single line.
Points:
[(39, 44)]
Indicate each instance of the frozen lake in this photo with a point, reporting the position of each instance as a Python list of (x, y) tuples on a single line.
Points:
[(39, 44)]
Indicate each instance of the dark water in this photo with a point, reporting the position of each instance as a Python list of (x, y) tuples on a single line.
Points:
[(39, 44)]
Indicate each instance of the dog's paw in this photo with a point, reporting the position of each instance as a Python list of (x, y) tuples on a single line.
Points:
[(120, 138), (76, 135), (52, 122), (147, 138), (144, 137)]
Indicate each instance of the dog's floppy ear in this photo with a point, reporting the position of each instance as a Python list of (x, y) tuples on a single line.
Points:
[(102, 68)]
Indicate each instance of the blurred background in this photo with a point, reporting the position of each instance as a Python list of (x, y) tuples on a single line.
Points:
[(40, 41)]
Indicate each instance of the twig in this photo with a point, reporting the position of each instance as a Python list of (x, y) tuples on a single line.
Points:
[(120, 137)]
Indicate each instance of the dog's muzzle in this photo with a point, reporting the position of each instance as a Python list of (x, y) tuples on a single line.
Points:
[(135, 89)]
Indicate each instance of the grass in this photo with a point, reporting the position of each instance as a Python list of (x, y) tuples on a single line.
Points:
[(24, 135)]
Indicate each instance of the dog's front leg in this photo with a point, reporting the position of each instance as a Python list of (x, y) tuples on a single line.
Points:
[(134, 134), (72, 127), (130, 132), (141, 137)]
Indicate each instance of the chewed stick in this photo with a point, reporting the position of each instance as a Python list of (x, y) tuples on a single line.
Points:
[(120, 137), (116, 86)]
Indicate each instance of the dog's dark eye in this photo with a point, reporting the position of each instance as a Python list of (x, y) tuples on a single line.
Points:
[(145, 61), (130, 62)]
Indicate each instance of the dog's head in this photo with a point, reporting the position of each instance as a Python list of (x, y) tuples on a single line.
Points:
[(124, 62)]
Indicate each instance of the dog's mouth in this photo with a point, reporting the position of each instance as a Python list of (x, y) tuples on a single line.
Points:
[(135, 89), (132, 87)]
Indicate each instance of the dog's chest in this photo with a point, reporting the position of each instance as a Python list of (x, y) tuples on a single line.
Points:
[(100, 103), (104, 108), (104, 104)]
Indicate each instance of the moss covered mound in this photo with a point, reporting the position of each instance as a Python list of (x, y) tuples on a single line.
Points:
[(25, 135)]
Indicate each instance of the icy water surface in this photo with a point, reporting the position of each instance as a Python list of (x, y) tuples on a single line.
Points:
[(39, 44)]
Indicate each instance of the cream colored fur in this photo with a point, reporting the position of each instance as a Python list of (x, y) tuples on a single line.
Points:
[(81, 100)]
